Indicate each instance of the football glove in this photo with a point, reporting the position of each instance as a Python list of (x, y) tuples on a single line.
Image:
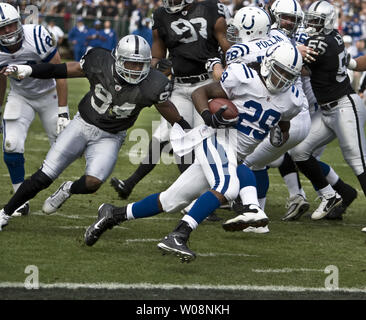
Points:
[(18, 71), (216, 120), (211, 62), (63, 119), (276, 137), (164, 65), (350, 62)]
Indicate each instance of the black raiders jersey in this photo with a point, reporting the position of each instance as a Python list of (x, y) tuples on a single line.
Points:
[(112, 104), (329, 77), (189, 35)]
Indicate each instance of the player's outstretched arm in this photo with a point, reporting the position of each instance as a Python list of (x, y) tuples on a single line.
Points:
[(45, 71), (358, 64)]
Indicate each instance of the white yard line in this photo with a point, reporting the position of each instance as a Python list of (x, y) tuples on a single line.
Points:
[(168, 286), (286, 270)]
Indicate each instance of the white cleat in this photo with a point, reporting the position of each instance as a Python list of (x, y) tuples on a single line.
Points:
[(363, 229), (327, 206), (297, 206), (257, 230), (4, 218), (56, 200), (251, 216)]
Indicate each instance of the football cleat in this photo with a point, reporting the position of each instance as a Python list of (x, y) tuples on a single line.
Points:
[(123, 189), (257, 230), (22, 210), (105, 220), (176, 243), (363, 229), (251, 216), (327, 206), (4, 218), (56, 200), (296, 206), (348, 196), (213, 217)]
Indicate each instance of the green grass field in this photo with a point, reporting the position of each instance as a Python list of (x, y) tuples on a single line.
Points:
[(287, 263)]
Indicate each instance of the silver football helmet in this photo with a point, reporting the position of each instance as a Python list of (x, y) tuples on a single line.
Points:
[(132, 48), (9, 15), (320, 18), (174, 6), (288, 15), (249, 23), (281, 66)]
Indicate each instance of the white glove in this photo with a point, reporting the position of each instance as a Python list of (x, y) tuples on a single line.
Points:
[(18, 71), (350, 62), (276, 137), (63, 119)]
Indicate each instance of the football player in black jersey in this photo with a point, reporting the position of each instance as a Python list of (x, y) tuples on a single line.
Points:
[(343, 112), (121, 84), (191, 32)]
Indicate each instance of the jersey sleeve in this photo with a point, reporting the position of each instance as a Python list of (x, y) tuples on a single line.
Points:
[(217, 9), (92, 60), (232, 79), (297, 101), (157, 87), (156, 19), (44, 42)]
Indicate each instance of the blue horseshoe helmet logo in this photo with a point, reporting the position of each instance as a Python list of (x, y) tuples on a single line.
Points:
[(244, 26)]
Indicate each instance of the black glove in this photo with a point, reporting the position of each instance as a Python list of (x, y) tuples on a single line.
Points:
[(164, 65), (216, 120)]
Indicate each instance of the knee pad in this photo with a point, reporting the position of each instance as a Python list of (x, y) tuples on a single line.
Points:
[(171, 203), (233, 190), (11, 143)]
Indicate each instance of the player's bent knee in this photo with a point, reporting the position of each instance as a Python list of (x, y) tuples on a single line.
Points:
[(171, 203), (232, 191), (11, 145), (92, 183)]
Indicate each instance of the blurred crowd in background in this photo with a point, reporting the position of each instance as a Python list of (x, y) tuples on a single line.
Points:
[(79, 24)]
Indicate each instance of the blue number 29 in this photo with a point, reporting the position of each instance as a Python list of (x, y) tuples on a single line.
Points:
[(264, 119)]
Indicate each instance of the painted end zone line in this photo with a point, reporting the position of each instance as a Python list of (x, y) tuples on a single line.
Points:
[(168, 286)]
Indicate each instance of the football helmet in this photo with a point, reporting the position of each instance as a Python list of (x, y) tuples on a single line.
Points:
[(288, 15), (132, 48), (9, 15), (249, 23), (280, 67), (174, 6), (320, 18)]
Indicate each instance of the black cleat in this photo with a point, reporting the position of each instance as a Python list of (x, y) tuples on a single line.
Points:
[(22, 211), (213, 217), (121, 187), (348, 196), (105, 220), (176, 243)]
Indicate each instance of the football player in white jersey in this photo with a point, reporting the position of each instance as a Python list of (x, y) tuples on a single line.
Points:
[(252, 26), (265, 97), (28, 44)]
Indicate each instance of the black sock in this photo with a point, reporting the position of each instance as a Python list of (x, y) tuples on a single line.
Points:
[(312, 170), (148, 163), (27, 190), (79, 187), (362, 179), (287, 166)]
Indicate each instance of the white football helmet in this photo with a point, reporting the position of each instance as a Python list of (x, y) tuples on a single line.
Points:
[(320, 18), (281, 66), (9, 15), (135, 49), (174, 6), (288, 15), (249, 23)]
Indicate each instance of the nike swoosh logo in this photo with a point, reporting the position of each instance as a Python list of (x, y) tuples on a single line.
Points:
[(177, 243), (99, 222)]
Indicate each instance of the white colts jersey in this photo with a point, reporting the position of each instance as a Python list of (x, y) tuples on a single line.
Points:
[(37, 47), (259, 110), (251, 51)]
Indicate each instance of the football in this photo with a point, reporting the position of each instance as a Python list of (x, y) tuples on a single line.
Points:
[(230, 113)]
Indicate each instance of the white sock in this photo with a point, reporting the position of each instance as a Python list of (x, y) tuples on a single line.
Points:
[(332, 177), (262, 203), (129, 214), (248, 195), (16, 186), (191, 222), (327, 192), (292, 184)]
